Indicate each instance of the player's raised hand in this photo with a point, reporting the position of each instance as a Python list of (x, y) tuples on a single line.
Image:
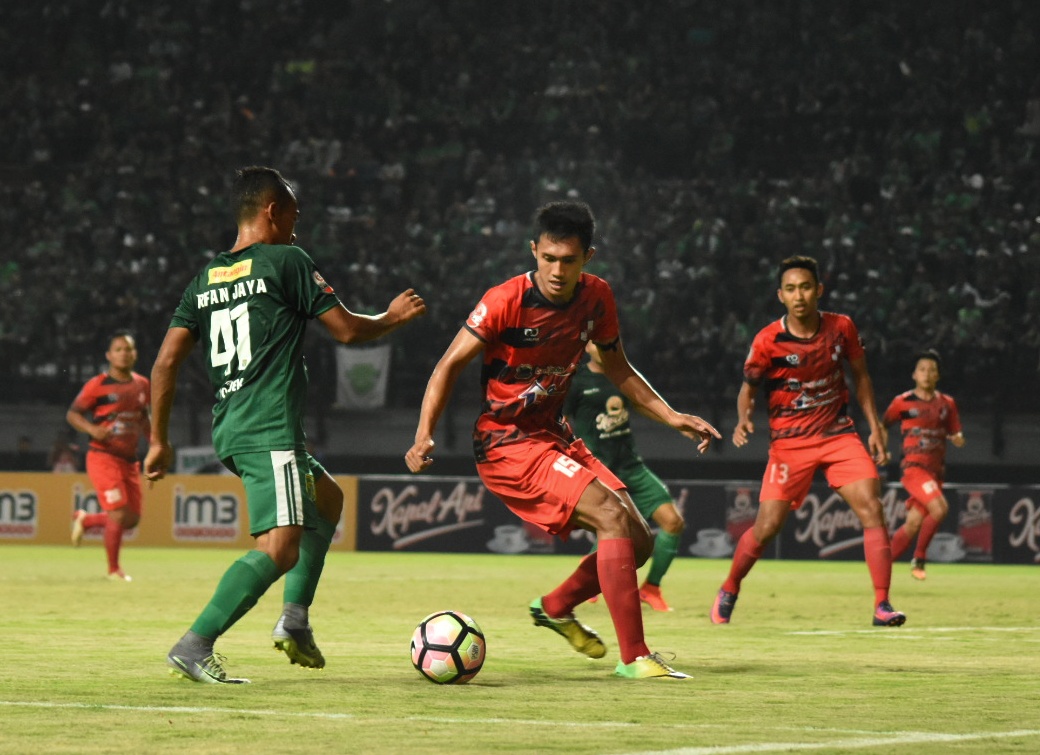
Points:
[(158, 461), (418, 457), (406, 306)]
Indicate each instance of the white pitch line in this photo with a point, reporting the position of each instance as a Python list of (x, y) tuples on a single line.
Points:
[(895, 632), (381, 718), (902, 739)]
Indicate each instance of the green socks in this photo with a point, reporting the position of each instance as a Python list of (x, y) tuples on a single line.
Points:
[(238, 591), (302, 580), (666, 547)]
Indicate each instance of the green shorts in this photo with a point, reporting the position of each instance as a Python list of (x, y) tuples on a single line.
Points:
[(280, 489), (646, 489)]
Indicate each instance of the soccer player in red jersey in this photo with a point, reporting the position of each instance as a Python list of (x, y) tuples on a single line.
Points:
[(532, 330), (798, 359), (927, 418), (117, 403)]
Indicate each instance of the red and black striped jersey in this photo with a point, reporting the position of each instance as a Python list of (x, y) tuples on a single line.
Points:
[(804, 377), (120, 406), (925, 425), (532, 349)]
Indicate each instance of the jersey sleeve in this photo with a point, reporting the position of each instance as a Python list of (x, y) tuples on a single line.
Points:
[(305, 288), (892, 413), (953, 418), (758, 360), (86, 399), (186, 314), (486, 319), (607, 329), (853, 343)]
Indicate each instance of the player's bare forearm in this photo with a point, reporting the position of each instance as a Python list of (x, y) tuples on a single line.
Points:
[(348, 327), (442, 381), (745, 408)]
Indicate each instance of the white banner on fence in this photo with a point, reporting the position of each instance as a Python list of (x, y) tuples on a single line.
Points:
[(361, 376)]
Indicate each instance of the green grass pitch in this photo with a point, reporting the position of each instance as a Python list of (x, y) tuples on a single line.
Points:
[(800, 669)]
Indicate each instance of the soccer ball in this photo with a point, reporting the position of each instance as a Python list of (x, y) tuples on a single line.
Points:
[(448, 648)]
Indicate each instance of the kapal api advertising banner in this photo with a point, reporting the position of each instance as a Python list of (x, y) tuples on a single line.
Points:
[(986, 523)]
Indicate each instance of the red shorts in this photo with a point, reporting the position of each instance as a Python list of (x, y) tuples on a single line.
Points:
[(116, 481), (541, 483), (790, 470), (922, 487)]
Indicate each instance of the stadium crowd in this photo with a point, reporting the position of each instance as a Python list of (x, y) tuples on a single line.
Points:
[(895, 142)]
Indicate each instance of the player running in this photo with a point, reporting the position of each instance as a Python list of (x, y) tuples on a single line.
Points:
[(798, 359), (117, 404), (927, 419)]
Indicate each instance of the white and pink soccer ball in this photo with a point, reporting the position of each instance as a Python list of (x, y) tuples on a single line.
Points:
[(448, 648)]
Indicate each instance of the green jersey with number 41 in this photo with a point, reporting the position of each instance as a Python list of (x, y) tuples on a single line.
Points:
[(250, 309)]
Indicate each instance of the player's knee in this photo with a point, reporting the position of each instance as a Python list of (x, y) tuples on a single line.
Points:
[(329, 499), (285, 558), (672, 523), (613, 519)]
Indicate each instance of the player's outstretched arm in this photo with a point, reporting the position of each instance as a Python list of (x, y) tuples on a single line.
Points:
[(648, 401), (442, 381), (348, 327), (175, 348), (745, 408)]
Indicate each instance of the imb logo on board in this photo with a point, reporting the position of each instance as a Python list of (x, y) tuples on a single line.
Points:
[(18, 513), (202, 516)]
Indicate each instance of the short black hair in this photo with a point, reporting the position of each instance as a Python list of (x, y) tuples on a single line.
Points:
[(928, 354), (122, 333), (564, 220), (801, 261), (254, 188)]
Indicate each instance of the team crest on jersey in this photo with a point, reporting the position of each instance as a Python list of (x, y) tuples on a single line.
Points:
[(793, 360), (476, 317), (325, 287)]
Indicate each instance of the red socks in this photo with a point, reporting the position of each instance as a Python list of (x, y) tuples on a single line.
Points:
[(749, 550), (576, 589), (113, 540), (95, 520), (878, 555), (900, 541), (620, 588), (924, 537), (611, 569)]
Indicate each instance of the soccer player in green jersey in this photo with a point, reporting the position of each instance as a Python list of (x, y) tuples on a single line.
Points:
[(599, 415), (249, 307)]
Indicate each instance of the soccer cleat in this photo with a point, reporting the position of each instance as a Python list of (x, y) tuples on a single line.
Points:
[(119, 576), (886, 616), (77, 527), (581, 638), (208, 670), (722, 608), (648, 667), (917, 568), (298, 644), (651, 595)]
